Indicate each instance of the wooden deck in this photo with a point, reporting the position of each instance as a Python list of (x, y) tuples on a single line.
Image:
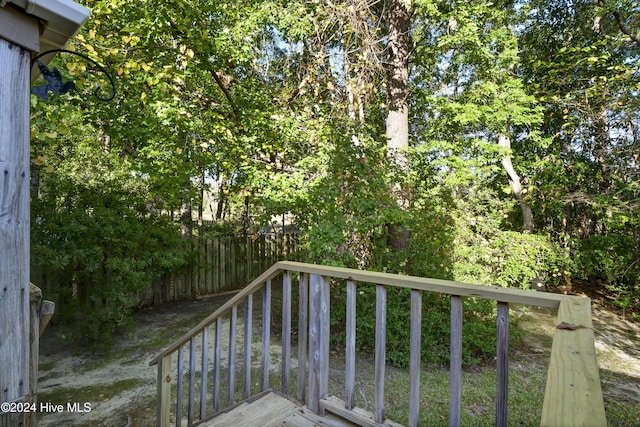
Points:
[(271, 409)]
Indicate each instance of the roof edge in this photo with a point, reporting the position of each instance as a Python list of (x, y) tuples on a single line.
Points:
[(61, 19)]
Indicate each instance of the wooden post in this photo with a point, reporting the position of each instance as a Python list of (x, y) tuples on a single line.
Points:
[(573, 395), (35, 300), (164, 392), (14, 215), (303, 320), (39, 312)]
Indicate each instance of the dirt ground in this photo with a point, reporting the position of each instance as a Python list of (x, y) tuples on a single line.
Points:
[(120, 387)]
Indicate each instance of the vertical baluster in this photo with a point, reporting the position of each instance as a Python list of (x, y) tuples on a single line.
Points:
[(318, 341), (303, 316), (204, 370), (266, 335), (286, 331), (381, 343), (232, 356), (350, 362), (248, 326), (502, 367), (455, 369), (414, 357), (217, 353), (179, 389), (324, 339), (192, 379)]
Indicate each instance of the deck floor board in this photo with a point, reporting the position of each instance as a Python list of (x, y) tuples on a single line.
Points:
[(272, 410)]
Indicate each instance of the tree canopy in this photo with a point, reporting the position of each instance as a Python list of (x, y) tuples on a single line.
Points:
[(500, 137)]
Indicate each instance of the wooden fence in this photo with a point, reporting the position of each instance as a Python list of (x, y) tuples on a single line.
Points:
[(217, 265), (222, 264)]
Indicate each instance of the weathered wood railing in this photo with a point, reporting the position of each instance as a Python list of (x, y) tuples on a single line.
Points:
[(573, 395)]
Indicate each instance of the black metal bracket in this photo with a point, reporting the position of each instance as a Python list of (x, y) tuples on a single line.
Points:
[(54, 81)]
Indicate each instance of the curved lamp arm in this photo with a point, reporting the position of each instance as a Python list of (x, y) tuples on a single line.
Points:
[(54, 78)]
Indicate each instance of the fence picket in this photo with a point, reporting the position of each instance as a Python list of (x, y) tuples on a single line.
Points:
[(218, 265)]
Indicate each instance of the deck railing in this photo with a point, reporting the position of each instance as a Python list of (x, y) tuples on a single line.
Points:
[(572, 396)]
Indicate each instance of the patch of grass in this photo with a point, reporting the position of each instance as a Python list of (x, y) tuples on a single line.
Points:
[(43, 367), (528, 364), (91, 393), (526, 392), (622, 414)]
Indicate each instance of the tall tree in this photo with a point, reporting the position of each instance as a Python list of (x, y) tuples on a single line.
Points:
[(398, 20)]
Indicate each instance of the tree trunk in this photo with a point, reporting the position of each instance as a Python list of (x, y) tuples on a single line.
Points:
[(516, 186), (397, 125), (201, 203)]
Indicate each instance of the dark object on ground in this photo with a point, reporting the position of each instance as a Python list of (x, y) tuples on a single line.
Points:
[(538, 284)]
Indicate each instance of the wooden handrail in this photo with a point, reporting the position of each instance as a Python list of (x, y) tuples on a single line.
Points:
[(495, 293), (573, 394)]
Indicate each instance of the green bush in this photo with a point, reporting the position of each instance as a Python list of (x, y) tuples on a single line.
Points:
[(510, 259), (607, 259), (107, 249), (488, 252), (610, 261)]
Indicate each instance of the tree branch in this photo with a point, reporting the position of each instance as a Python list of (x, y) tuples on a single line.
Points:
[(624, 29), (225, 91), (597, 27)]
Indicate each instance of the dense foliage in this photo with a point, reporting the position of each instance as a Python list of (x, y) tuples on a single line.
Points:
[(522, 158)]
